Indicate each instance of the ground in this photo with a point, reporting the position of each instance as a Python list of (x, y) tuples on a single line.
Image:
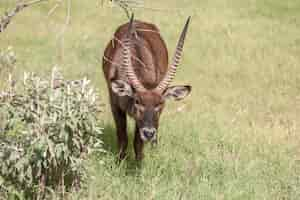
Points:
[(235, 137)]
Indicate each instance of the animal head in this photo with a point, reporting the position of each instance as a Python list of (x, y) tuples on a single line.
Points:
[(147, 105)]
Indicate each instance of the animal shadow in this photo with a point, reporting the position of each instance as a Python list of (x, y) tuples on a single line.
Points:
[(129, 164)]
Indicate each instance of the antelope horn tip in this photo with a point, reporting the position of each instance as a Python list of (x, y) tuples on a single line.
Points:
[(130, 23)]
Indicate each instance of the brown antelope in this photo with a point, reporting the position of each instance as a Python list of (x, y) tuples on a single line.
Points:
[(135, 66)]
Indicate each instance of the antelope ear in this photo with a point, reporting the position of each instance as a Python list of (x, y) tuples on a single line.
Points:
[(121, 88), (177, 92)]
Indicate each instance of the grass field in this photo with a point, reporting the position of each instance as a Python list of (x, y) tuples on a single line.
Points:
[(235, 137)]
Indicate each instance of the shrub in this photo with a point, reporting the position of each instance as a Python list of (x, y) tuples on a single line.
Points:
[(47, 129)]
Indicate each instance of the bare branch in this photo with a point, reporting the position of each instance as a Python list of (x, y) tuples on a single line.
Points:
[(60, 35), (33, 2), (6, 19), (128, 5), (52, 10)]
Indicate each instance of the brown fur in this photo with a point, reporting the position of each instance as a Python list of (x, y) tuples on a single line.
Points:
[(150, 68), (150, 63), (148, 47)]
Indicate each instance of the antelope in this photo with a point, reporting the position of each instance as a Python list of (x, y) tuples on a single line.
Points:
[(135, 66)]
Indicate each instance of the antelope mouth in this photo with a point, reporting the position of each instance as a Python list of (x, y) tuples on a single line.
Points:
[(148, 134)]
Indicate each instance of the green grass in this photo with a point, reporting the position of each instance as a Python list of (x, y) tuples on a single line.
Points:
[(235, 137)]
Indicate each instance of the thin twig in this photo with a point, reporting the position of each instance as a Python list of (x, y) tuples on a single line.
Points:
[(6, 19), (128, 5), (63, 182), (60, 36), (51, 11), (33, 2), (42, 185), (67, 20)]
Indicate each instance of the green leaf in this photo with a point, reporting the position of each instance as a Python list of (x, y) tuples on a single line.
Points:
[(45, 129)]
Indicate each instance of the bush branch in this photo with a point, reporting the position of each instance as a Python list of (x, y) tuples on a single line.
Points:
[(6, 19)]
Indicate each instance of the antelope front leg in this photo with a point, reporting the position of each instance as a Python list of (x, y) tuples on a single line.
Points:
[(121, 126), (138, 145)]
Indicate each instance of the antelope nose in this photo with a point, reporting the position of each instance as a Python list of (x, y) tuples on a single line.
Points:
[(149, 132)]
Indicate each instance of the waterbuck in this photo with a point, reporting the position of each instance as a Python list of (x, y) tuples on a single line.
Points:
[(135, 65)]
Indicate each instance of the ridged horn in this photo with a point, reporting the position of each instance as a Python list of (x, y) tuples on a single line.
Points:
[(127, 64), (175, 62)]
